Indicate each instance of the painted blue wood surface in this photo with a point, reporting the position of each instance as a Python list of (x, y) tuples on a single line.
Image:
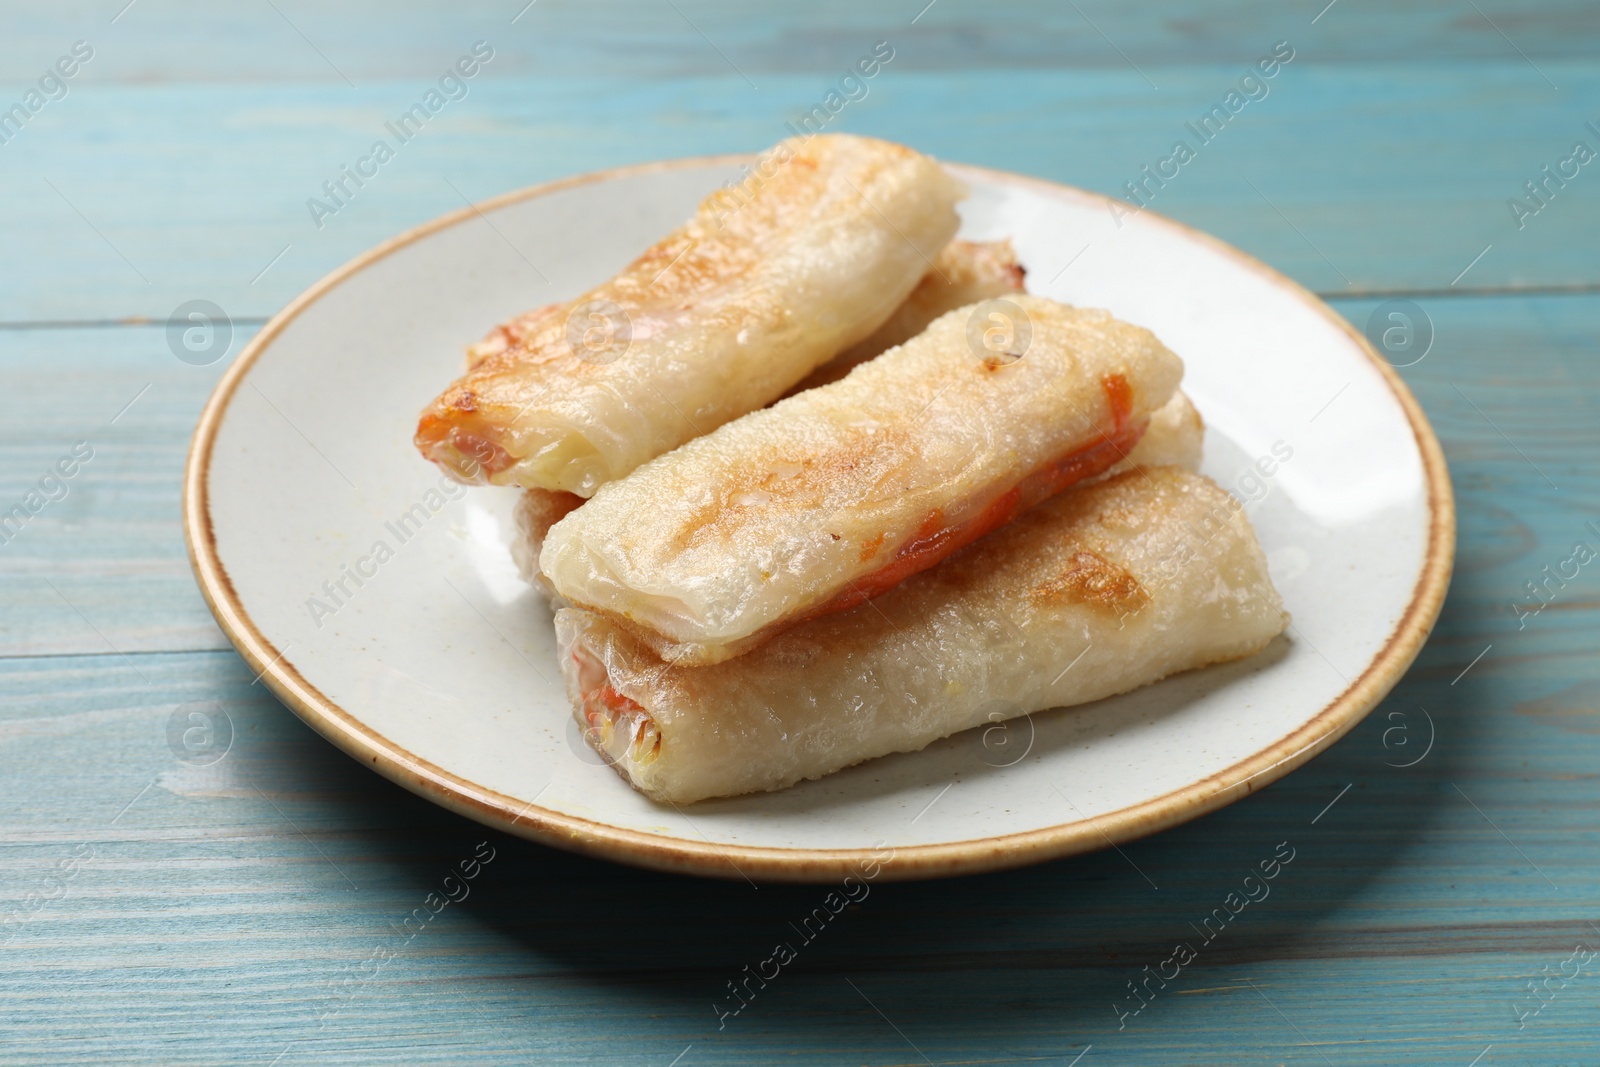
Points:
[(1391, 165), (252, 911)]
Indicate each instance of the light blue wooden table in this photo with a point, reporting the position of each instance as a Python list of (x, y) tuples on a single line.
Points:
[(250, 911)]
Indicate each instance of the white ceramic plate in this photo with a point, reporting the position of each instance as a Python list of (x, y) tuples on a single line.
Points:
[(439, 670)]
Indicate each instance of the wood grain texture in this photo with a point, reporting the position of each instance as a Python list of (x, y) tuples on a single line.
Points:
[(224, 172), (253, 910), (190, 40)]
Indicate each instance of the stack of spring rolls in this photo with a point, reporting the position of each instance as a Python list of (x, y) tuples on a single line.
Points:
[(831, 485)]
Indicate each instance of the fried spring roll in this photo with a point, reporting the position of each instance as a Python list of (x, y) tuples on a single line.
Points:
[(1174, 438), (719, 318), (839, 493), (1127, 581)]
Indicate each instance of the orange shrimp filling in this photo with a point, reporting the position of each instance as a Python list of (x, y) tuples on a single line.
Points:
[(463, 454), (607, 711), (935, 540)]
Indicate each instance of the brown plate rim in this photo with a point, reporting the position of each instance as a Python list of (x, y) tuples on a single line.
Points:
[(594, 838)]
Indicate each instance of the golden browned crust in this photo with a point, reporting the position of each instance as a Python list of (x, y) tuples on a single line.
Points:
[(1090, 578), (848, 468), (511, 333)]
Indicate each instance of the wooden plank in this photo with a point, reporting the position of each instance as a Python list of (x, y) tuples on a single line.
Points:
[(1388, 185), (103, 566)]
